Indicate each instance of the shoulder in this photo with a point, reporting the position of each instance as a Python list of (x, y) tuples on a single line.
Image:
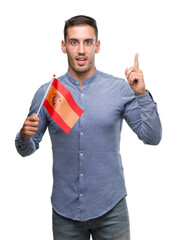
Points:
[(44, 87), (116, 85), (114, 81), (112, 78), (39, 94)]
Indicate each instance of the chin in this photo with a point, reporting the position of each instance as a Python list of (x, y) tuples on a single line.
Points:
[(81, 69)]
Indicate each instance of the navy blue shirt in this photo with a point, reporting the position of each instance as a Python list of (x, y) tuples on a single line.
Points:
[(87, 167)]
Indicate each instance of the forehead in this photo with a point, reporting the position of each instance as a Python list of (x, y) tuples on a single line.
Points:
[(81, 32)]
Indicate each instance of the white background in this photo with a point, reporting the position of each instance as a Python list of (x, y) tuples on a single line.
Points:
[(30, 53)]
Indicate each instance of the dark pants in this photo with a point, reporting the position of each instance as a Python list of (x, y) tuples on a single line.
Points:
[(113, 225)]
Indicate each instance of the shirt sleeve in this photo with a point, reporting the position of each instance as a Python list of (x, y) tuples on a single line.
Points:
[(26, 147), (140, 112)]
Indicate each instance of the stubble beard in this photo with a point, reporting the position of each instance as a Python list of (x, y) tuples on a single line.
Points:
[(80, 69)]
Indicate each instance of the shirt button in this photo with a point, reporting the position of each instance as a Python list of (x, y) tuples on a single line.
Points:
[(81, 194), (81, 174), (82, 94), (81, 154), (77, 83), (81, 133)]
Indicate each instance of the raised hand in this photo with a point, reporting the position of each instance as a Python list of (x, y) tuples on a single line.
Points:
[(135, 77)]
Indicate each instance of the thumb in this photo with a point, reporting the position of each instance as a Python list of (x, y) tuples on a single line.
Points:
[(35, 117)]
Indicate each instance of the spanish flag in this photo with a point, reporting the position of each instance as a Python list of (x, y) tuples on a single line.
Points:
[(61, 106)]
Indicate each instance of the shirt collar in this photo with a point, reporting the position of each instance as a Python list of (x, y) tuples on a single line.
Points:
[(86, 81)]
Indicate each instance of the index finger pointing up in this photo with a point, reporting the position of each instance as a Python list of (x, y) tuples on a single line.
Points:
[(136, 63)]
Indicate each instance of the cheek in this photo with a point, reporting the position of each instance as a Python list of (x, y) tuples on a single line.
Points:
[(92, 52), (71, 52), (71, 56)]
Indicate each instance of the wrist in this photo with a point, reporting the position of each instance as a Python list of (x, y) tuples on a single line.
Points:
[(23, 136), (140, 93)]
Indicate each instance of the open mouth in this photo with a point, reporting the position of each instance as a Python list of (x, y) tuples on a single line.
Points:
[(81, 60)]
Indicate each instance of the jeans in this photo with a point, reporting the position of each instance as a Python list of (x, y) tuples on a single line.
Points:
[(114, 225)]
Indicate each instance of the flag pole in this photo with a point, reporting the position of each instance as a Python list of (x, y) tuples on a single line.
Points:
[(45, 94)]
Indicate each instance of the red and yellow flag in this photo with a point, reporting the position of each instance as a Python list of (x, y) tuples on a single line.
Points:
[(61, 106)]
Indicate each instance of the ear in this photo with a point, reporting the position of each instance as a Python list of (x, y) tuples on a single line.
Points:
[(97, 47), (63, 46)]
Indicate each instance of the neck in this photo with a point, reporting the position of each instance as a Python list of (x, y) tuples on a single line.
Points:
[(81, 76)]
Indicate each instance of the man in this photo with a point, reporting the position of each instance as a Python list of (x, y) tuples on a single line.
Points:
[(89, 190)]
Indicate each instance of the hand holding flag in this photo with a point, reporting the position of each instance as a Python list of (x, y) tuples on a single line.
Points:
[(30, 127), (61, 107)]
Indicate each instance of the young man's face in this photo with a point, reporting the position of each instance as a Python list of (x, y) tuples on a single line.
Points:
[(81, 46)]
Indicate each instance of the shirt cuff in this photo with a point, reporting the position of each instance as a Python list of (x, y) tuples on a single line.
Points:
[(145, 99), (21, 141)]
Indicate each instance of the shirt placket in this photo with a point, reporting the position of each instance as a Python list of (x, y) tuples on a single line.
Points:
[(82, 157)]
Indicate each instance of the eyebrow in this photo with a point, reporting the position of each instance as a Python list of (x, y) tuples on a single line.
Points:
[(75, 39)]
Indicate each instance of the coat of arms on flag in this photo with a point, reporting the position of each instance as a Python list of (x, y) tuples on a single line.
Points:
[(61, 106)]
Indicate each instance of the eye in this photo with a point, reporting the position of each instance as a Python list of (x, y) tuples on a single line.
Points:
[(74, 43), (88, 42)]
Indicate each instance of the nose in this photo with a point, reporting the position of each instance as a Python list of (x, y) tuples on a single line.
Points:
[(81, 48)]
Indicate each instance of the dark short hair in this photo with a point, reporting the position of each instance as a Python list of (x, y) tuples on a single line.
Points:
[(80, 20)]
